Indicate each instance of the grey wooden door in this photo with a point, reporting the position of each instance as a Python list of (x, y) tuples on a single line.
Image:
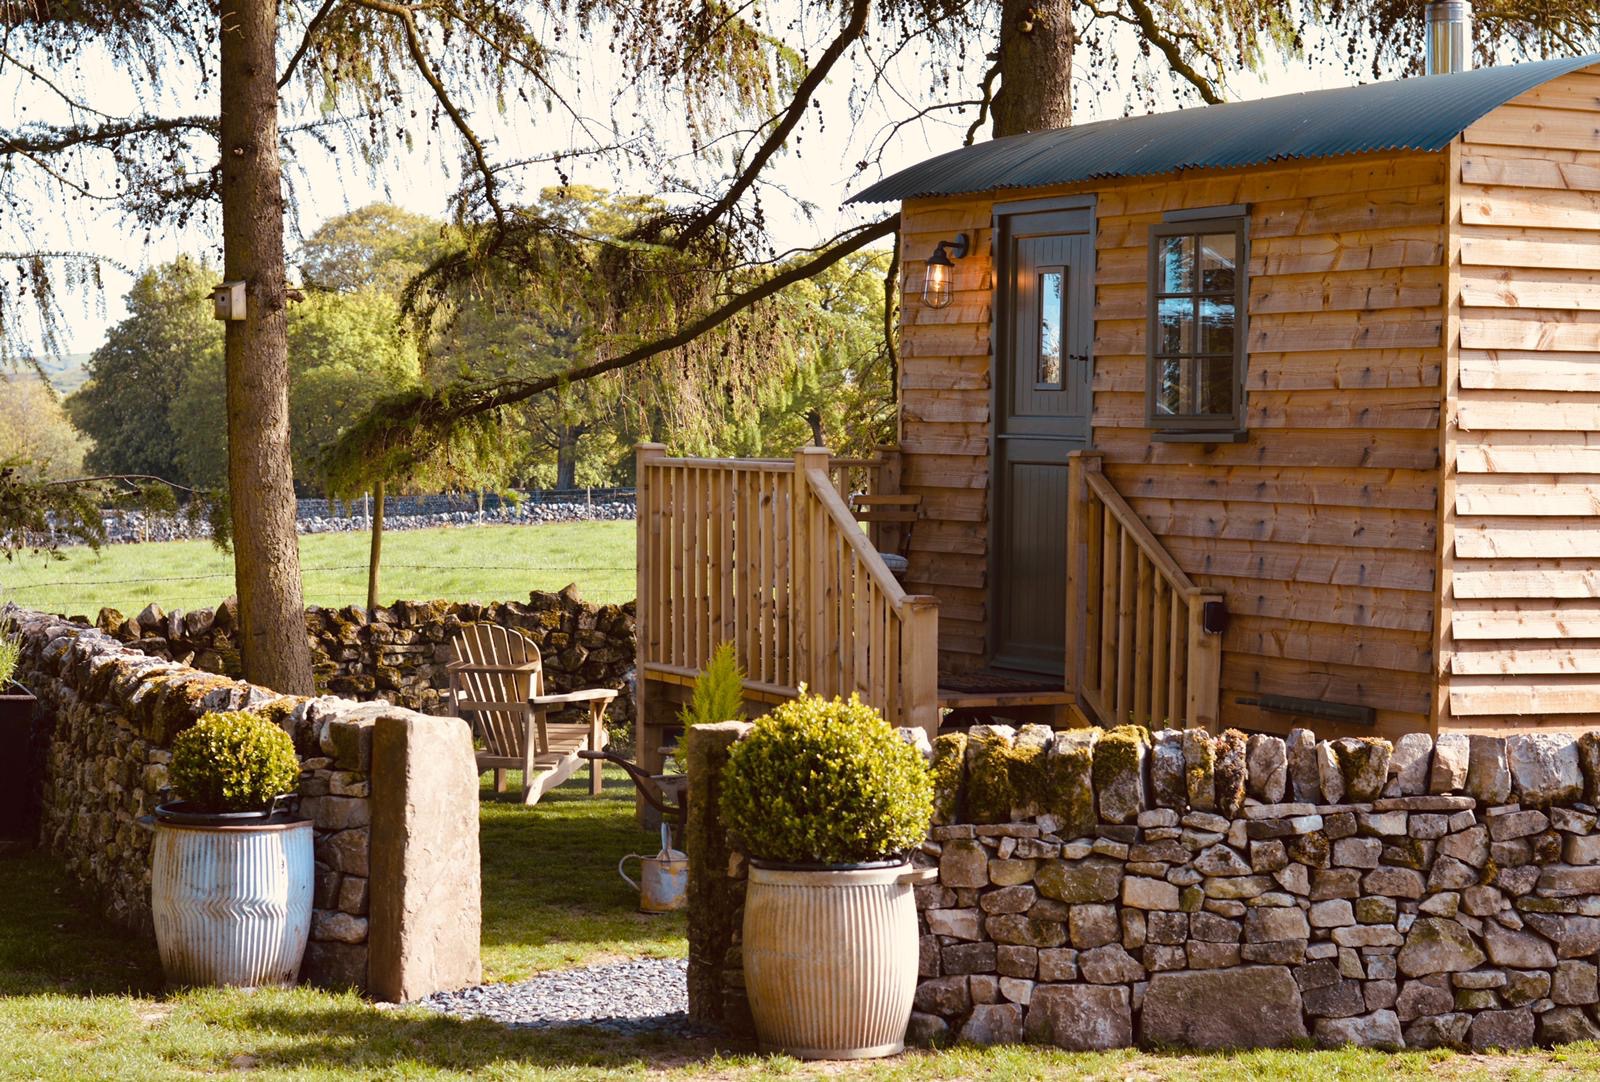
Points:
[(1042, 412)]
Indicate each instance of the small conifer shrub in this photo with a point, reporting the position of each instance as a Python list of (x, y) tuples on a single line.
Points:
[(233, 761), (718, 696), (825, 781)]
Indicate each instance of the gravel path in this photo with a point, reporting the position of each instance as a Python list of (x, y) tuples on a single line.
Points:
[(644, 996)]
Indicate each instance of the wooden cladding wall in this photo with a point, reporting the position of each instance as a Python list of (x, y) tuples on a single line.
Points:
[(1322, 527), (1522, 582), (944, 425)]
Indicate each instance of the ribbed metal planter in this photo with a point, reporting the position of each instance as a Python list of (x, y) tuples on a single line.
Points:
[(830, 959), (232, 904)]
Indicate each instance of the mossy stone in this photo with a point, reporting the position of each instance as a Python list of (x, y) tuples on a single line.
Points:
[(1200, 769), (1168, 788), (1230, 772), (948, 771), (1028, 765), (1071, 774), (1364, 766), (989, 794), (1119, 769)]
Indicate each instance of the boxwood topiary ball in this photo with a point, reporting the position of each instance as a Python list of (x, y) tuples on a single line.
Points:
[(826, 781), (233, 761)]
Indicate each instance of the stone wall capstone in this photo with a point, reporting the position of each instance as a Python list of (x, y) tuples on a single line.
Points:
[(398, 652), (110, 712), (1252, 891)]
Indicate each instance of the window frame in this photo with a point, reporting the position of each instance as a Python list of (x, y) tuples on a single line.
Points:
[(1235, 220)]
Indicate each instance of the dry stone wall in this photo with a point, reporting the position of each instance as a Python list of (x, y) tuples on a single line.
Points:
[(1104, 888), (398, 652), (108, 715)]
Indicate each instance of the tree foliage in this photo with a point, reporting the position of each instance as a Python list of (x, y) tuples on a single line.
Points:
[(35, 431), (346, 352), (136, 376)]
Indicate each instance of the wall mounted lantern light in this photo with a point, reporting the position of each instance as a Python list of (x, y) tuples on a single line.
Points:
[(938, 286)]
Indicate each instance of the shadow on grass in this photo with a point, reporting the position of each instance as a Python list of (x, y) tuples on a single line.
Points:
[(53, 940), (551, 893), (357, 1038)]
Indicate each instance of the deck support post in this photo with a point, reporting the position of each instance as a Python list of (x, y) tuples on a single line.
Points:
[(919, 663), (1205, 666), (647, 596), (1077, 599)]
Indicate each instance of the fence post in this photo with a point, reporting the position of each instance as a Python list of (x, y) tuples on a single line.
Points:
[(802, 562), (919, 663), (645, 596), (887, 536), (1077, 600), (1205, 666)]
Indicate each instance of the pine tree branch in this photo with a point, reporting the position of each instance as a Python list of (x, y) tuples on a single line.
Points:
[(305, 40), (400, 432), (798, 104), (419, 56)]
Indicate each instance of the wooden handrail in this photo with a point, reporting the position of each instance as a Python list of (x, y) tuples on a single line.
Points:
[(767, 555), (1138, 646), (822, 488)]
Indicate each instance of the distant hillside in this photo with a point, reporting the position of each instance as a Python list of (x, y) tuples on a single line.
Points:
[(66, 373)]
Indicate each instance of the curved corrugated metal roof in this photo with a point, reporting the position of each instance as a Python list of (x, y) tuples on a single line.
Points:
[(1424, 113)]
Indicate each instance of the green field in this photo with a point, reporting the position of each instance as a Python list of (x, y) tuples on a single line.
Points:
[(469, 563)]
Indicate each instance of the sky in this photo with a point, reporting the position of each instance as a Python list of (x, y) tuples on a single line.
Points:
[(804, 207)]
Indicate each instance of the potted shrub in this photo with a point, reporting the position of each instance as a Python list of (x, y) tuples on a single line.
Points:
[(16, 734), (232, 875), (828, 802)]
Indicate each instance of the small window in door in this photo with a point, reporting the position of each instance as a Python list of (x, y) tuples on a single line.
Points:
[(1049, 371), (1196, 337)]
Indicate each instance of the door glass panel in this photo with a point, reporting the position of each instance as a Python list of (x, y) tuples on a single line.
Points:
[(1177, 264), (1047, 370)]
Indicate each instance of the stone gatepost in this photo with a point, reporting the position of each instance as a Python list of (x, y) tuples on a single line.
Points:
[(716, 881)]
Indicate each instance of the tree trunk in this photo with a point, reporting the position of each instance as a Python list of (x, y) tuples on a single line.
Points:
[(376, 553), (266, 556), (567, 437), (1036, 43)]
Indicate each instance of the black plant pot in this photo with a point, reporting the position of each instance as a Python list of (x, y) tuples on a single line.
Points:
[(18, 815)]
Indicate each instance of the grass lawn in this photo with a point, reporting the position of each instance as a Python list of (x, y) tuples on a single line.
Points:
[(483, 563), (80, 1000)]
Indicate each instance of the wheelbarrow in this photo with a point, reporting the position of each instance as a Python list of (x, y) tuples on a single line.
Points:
[(656, 789)]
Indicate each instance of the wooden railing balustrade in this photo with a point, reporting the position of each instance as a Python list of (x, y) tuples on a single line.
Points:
[(1136, 624), (870, 487), (766, 554)]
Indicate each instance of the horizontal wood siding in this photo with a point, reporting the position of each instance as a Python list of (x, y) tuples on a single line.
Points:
[(1524, 568), (1321, 528), (944, 424)]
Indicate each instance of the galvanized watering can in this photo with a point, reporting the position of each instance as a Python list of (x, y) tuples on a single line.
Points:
[(663, 878)]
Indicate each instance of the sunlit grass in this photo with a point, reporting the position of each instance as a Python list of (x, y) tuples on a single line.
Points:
[(467, 563)]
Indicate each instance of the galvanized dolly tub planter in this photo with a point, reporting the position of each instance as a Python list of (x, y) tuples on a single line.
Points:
[(231, 894), (232, 877), (830, 956)]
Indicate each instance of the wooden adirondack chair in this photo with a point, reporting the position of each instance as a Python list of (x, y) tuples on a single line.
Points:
[(497, 678)]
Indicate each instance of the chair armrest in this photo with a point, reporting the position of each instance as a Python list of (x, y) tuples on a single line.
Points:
[(588, 695)]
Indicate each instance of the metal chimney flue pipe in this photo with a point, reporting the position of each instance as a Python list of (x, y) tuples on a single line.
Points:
[(1449, 36)]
